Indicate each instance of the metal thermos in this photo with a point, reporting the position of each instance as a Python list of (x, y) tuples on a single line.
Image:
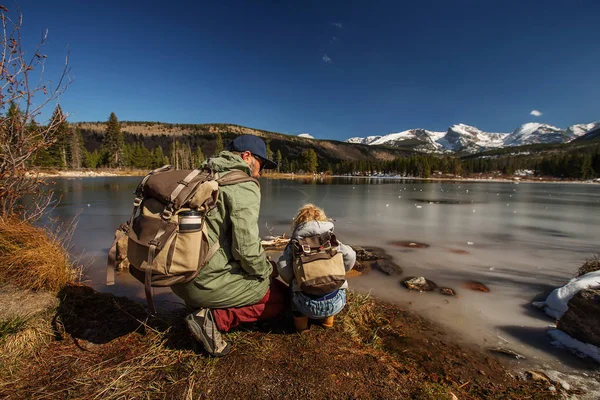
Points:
[(190, 221)]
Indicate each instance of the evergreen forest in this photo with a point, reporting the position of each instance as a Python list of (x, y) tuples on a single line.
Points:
[(77, 147)]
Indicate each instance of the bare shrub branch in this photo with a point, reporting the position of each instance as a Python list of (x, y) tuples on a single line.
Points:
[(24, 93)]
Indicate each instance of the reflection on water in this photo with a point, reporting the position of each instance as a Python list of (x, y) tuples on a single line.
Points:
[(518, 239)]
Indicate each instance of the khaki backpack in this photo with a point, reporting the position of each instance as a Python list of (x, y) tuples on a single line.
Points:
[(167, 235), (318, 266)]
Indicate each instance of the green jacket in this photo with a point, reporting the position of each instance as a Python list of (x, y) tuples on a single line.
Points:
[(238, 274)]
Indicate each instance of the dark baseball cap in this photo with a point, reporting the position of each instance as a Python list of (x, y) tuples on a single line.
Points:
[(254, 145)]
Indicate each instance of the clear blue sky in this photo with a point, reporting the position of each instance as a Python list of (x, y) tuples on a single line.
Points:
[(331, 69)]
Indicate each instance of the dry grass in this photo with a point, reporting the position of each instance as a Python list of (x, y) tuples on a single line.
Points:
[(34, 258), (23, 342), (590, 265), (362, 321), (108, 347)]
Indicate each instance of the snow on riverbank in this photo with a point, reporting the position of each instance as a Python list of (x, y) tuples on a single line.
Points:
[(561, 339), (556, 304)]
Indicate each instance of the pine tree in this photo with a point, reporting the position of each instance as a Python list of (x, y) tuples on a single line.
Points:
[(158, 159), (199, 157), (113, 144), (269, 151), (76, 149), (59, 150), (219, 144), (587, 171), (279, 160), (310, 161)]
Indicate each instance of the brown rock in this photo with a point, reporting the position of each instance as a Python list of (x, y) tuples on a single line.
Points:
[(582, 319), (447, 291), (420, 283), (537, 376), (410, 244), (388, 267), (364, 254), (478, 286)]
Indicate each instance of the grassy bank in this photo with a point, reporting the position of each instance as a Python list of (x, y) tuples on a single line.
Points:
[(108, 347), (83, 344)]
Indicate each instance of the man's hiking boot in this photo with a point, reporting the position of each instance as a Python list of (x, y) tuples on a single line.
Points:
[(300, 322), (203, 328), (327, 323)]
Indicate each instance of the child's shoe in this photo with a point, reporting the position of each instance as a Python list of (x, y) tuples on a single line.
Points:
[(327, 322), (301, 322)]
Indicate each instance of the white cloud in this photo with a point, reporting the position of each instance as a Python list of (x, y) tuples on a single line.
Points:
[(326, 58), (337, 24), (306, 135), (535, 113)]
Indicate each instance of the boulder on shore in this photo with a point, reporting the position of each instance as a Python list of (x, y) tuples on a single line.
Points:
[(420, 283), (366, 254), (582, 319), (388, 267)]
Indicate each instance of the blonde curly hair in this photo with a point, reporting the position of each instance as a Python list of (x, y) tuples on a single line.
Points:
[(309, 212)]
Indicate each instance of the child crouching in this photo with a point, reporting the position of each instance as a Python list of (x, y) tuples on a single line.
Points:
[(314, 264)]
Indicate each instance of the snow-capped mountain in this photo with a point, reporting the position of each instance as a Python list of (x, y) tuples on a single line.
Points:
[(466, 138), (359, 140), (578, 130), (534, 132), (428, 138), (461, 137)]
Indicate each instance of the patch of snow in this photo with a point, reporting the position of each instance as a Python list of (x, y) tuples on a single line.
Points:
[(306, 135), (561, 339), (556, 304)]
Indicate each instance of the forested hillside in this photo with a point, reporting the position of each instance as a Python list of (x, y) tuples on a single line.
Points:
[(148, 145)]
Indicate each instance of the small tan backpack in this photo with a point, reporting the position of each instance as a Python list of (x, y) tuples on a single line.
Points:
[(167, 236), (317, 264)]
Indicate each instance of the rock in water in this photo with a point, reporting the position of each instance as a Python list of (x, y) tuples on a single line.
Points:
[(363, 254), (420, 283), (582, 320), (478, 286), (447, 291), (388, 267)]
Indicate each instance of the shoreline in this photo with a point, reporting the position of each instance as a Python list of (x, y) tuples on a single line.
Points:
[(292, 176), (410, 354)]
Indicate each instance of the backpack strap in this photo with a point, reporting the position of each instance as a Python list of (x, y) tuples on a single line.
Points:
[(182, 184), (236, 176), (148, 289)]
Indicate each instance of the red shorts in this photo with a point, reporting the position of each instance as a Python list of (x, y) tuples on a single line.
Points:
[(271, 305)]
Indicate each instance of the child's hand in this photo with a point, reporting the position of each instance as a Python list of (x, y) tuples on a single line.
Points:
[(274, 273)]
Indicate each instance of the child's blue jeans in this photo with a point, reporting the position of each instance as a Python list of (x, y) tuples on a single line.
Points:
[(319, 308)]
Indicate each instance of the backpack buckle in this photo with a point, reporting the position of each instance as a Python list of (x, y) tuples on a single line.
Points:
[(167, 214), (137, 201), (306, 248)]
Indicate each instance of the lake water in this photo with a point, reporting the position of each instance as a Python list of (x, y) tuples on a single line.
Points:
[(521, 240)]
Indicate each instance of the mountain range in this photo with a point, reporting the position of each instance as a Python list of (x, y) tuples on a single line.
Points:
[(461, 138)]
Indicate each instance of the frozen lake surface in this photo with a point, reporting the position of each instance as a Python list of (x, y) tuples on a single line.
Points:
[(521, 240)]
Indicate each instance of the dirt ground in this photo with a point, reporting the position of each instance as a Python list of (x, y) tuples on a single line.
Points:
[(103, 346)]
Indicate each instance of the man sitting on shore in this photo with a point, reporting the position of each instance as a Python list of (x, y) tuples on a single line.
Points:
[(235, 286)]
